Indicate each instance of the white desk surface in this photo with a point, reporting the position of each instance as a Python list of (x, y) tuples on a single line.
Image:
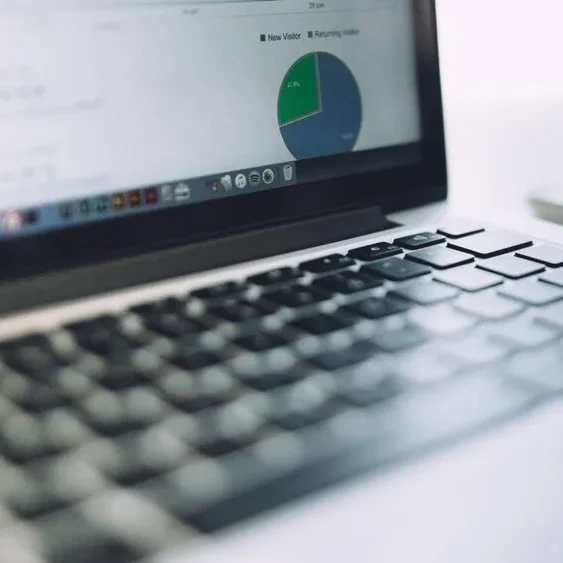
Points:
[(503, 98)]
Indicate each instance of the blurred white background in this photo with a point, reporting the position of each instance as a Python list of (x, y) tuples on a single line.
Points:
[(502, 78)]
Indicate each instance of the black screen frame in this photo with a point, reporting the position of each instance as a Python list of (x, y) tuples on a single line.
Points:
[(392, 190)]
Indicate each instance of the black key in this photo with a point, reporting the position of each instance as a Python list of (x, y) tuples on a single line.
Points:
[(420, 240), (84, 329), (460, 229), (298, 296), (554, 278), (228, 429), (490, 244), (192, 361), (173, 325), (412, 423), (130, 471), (71, 538), (396, 269), (35, 500), (108, 343), (368, 384), (375, 251), (425, 293), (32, 356), (265, 373), (469, 279), (440, 257), (22, 442), (111, 427), (322, 324), (160, 307), (200, 485), (143, 457), (551, 256), (193, 393), (120, 377), (219, 292), (348, 282), (327, 264), (108, 416), (533, 293), (511, 267), (273, 379), (39, 398), (105, 321), (303, 403), (275, 277), (242, 311), (263, 341), (400, 339), (143, 407), (357, 353), (488, 306), (102, 336), (374, 308)]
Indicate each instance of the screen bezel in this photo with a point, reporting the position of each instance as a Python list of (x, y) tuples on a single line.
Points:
[(392, 190)]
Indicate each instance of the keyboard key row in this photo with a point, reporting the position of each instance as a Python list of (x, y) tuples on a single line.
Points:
[(211, 495)]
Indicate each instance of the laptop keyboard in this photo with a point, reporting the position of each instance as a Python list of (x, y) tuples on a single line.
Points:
[(117, 433)]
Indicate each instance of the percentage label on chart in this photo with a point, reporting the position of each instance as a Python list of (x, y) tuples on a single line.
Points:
[(20, 85)]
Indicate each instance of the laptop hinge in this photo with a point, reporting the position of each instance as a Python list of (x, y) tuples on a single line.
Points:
[(189, 259)]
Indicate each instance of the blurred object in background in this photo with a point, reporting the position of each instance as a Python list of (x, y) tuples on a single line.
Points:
[(547, 202)]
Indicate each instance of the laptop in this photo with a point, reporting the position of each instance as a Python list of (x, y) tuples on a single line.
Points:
[(233, 328)]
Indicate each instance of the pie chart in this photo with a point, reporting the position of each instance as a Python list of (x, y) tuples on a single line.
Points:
[(319, 107)]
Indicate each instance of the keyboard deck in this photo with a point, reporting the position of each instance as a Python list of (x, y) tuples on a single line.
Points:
[(120, 432)]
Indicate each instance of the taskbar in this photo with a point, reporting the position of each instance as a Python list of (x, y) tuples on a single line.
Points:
[(101, 207)]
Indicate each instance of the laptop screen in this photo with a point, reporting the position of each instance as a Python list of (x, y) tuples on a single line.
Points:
[(112, 108)]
